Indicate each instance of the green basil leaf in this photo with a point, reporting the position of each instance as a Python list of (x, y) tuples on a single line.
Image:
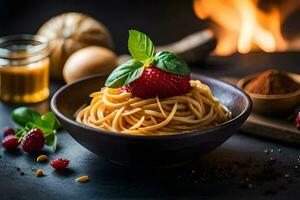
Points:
[(30, 119), (45, 130), (22, 115), (124, 74), (140, 46), (50, 121), (51, 139), (148, 62), (169, 62)]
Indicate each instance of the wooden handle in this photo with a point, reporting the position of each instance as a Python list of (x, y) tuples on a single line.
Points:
[(193, 48)]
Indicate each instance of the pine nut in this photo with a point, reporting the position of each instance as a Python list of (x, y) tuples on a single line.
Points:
[(39, 172), (82, 179), (42, 158)]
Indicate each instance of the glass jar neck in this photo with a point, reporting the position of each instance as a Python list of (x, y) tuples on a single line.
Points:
[(18, 50)]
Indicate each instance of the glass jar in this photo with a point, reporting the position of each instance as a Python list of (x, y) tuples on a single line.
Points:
[(24, 68)]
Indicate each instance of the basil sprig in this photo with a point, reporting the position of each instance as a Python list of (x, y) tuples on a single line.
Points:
[(143, 53), (140, 46), (169, 62), (124, 74), (28, 119)]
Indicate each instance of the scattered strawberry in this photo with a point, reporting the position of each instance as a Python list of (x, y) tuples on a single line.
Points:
[(8, 131), (59, 163), (33, 141), (297, 121), (10, 142), (156, 82)]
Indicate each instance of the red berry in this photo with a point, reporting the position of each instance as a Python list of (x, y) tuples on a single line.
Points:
[(297, 121), (10, 142), (156, 82), (33, 141), (8, 131), (59, 163)]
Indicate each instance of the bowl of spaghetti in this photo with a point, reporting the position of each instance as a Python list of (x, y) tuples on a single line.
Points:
[(151, 132), (151, 110)]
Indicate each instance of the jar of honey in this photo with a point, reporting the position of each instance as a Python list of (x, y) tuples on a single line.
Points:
[(24, 68)]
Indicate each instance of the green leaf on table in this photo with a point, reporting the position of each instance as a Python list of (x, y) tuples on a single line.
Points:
[(29, 119), (125, 74), (51, 139), (140, 46), (22, 115), (169, 62), (50, 121)]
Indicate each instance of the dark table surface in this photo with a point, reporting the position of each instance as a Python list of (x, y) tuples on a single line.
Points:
[(219, 174)]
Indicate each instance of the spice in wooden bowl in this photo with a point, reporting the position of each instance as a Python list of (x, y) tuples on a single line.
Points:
[(273, 92), (272, 82)]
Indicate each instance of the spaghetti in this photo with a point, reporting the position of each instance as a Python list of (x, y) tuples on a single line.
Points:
[(118, 111)]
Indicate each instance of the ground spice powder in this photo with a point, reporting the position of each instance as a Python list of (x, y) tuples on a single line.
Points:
[(272, 82)]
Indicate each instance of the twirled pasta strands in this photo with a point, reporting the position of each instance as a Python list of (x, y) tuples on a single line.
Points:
[(113, 110)]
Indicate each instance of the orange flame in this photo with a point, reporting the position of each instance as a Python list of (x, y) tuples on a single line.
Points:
[(242, 26)]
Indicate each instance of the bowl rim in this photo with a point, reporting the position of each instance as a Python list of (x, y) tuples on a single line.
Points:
[(241, 84), (244, 114)]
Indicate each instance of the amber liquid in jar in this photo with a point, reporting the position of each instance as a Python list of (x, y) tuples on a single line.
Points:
[(24, 69)]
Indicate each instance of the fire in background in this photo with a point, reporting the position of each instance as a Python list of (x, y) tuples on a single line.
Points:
[(246, 25)]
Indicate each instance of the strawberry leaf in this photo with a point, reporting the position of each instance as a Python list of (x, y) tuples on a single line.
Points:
[(140, 46), (124, 74), (169, 62)]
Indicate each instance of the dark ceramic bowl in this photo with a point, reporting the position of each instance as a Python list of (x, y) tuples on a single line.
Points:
[(156, 151)]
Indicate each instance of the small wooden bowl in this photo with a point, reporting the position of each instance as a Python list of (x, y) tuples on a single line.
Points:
[(277, 105)]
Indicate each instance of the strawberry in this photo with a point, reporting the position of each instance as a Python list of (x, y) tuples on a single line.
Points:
[(10, 142), (156, 82), (8, 131), (59, 163), (33, 141)]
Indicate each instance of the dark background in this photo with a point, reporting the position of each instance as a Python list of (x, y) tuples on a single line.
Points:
[(163, 20)]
